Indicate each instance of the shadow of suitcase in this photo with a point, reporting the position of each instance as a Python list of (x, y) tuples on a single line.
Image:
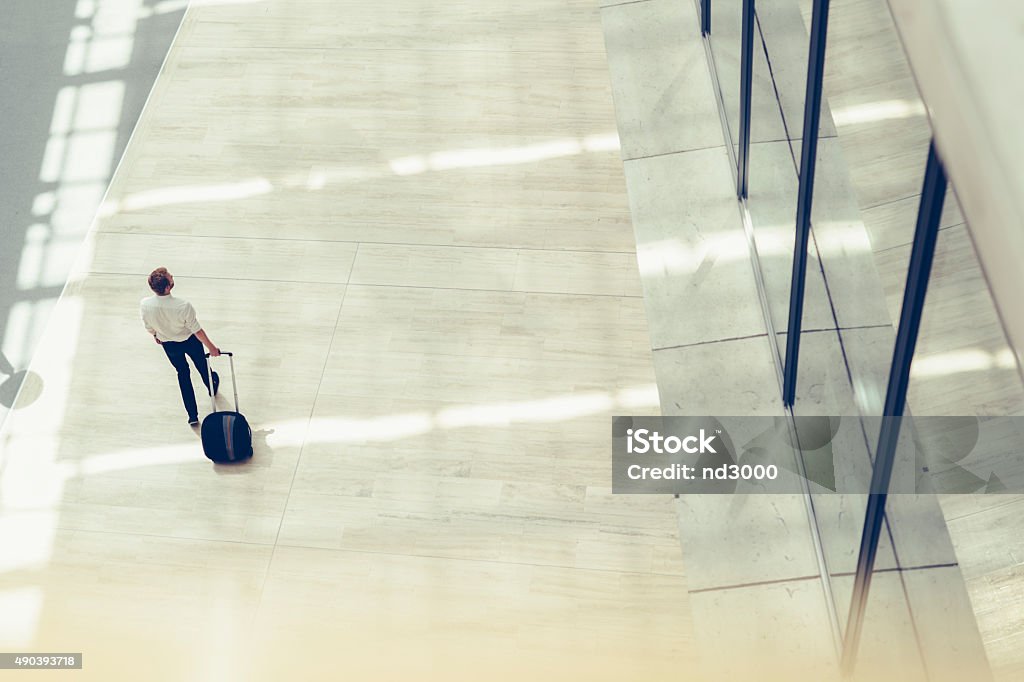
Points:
[(226, 435)]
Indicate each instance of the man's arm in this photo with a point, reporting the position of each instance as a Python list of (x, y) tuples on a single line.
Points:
[(192, 324), (214, 351)]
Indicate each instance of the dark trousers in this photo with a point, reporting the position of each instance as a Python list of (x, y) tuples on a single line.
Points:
[(177, 352)]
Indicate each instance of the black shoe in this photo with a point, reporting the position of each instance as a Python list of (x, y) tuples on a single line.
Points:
[(216, 383), (193, 421)]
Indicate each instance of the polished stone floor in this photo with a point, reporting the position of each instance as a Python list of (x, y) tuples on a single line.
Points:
[(409, 222)]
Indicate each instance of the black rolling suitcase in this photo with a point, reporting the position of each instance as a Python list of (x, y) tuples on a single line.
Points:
[(226, 435)]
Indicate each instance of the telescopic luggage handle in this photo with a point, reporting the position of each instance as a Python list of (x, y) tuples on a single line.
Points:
[(234, 383)]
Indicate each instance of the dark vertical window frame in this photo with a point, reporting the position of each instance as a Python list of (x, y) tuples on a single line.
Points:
[(922, 254), (805, 196), (746, 81)]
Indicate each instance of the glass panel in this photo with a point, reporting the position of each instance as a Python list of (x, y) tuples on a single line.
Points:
[(873, 143), (964, 366), (868, 183), (870, 168), (780, 70), (726, 31), (847, 344)]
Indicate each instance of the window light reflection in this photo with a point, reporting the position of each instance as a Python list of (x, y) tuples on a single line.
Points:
[(878, 111), (19, 491), (21, 608), (503, 156), (187, 194), (956, 362), (168, 6), (319, 178)]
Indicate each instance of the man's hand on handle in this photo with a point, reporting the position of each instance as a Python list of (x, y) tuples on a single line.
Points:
[(210, 348)]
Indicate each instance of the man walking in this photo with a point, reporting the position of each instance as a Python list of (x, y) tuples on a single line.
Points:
[(172, 322)]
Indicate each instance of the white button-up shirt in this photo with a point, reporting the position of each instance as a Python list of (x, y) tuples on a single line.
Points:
[(171, 319)]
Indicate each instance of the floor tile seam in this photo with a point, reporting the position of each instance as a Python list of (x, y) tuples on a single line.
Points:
[(1000, 573), (888, 202), (637, 542), (438, 557), (267, 280), (623, 4), (905, 245), (190, 538), (757, 583), (561, 356), (292, 545), (838, 574), (780, 333), (799, 138), (241, 144), (849, 328), (754, 143), (496, 291), (898, 569), (709, 342), (630, 159), (354, 48), (378, 284), (302, 447), (162, 536), (365, 242), (604, 522), (951, 520)]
